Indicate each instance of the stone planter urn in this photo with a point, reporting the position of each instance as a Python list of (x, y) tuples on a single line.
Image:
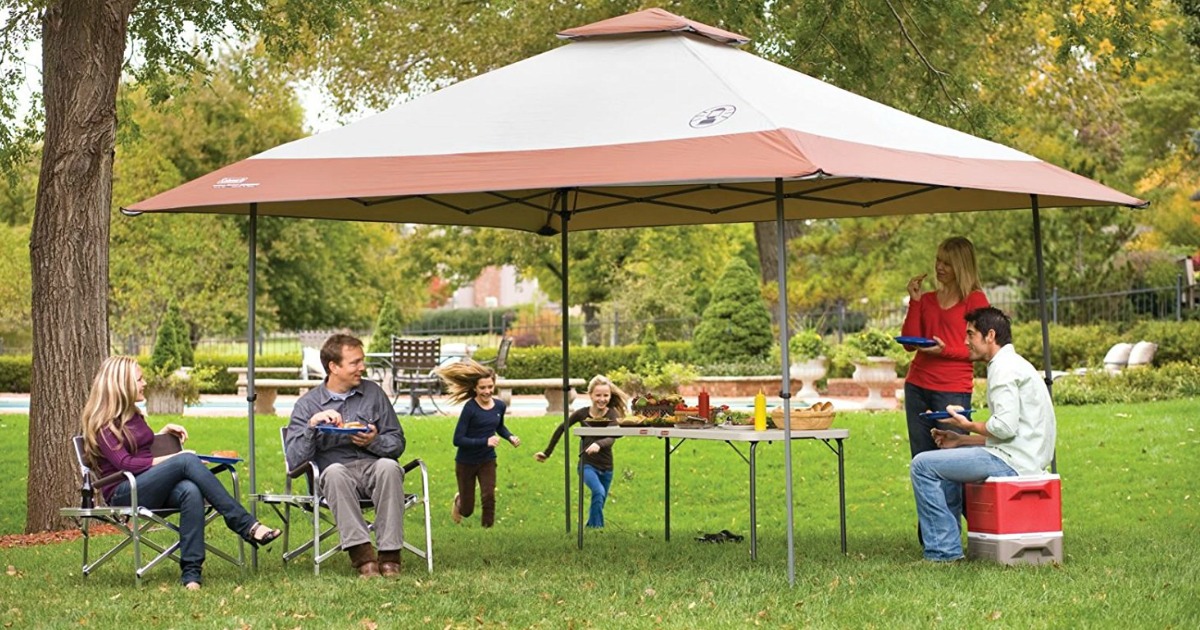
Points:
[(163, 401), (808, 373), (875, 374)]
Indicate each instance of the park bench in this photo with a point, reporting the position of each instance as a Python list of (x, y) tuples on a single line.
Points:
[(551, 387), (267, 389), (276, 372)]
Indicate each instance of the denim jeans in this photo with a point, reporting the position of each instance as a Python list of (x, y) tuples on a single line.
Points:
[(598, 482), (937, 478), (918, 400), (184, 483)]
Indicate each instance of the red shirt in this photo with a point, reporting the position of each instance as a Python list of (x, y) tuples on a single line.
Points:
[(950, 371)]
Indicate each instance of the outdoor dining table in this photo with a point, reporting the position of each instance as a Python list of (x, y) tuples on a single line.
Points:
[(730, 437)]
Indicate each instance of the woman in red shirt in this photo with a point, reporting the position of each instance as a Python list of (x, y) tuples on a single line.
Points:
[(941, 374)]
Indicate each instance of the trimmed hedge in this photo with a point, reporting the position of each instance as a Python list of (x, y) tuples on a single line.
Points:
[(15, 371), (226, 383)]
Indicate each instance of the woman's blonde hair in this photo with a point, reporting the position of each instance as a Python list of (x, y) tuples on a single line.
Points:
[(110, 405), (462, 377), (960, 254), (618, 399)]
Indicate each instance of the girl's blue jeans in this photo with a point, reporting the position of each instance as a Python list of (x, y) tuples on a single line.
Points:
[(598, 482)]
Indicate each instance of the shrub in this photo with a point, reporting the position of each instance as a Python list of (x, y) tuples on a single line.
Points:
[(172, 343), (736, 325), (650, 357), (1173, 380), (15, 372), (389, 323), (463, 319), (807, 345)]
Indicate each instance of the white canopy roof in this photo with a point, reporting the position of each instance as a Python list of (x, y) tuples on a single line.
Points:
[(647, 119)]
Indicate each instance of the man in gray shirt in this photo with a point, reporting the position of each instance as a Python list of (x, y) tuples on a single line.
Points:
[(354, 465), (1018, 438)]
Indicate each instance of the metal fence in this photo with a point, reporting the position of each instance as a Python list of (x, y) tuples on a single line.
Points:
[(613, 329)]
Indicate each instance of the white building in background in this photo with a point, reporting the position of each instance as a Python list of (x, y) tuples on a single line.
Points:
[(497, 287)]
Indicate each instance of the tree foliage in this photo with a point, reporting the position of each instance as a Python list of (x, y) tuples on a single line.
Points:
[(736, 326)]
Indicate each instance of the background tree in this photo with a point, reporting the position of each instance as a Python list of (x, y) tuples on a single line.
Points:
[(736, 327), (390, 323), (83, 58)]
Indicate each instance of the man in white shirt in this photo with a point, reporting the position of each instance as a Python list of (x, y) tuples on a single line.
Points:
[(1018, 439)]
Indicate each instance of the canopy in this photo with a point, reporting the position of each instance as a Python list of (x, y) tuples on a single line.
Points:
[(649, 119), (642, 120)]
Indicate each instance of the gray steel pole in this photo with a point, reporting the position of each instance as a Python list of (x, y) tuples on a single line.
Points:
[(252, 238), (786, 391)]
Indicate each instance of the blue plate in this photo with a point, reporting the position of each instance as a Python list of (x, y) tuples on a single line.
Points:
[(920, 342), (216, 459), (329, 428), (942, 415)]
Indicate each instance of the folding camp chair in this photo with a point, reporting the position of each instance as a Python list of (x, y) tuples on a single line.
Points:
[(413, 363), (313, 505), (138, 523)]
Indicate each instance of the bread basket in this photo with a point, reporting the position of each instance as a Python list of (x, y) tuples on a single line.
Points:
[(815, 418)]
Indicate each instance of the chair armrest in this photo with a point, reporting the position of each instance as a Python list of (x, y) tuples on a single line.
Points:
[(104, 481), (410, 466), (302, 469)]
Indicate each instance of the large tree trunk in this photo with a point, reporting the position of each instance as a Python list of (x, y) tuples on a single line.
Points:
[(766, 237), (83, 48)]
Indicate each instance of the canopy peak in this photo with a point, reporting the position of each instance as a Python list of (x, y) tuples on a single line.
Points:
[(652, 21)]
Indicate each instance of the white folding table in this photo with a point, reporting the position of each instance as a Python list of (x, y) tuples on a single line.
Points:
[(730, 437)]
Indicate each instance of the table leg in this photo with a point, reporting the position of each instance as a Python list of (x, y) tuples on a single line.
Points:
[(667, 488), (753, 502), (579, 494), (842, 491)]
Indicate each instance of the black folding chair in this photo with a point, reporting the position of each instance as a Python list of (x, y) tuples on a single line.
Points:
[(313, 505), (413, 363), (138, 524)]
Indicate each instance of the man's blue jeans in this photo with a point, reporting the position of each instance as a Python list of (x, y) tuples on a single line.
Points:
[(937, 478), (184, 483), (598, 482)]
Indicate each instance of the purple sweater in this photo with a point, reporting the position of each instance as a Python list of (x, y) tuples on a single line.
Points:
[(116, 457)]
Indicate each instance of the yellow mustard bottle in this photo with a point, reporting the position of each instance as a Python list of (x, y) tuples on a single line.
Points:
[(760, 411)]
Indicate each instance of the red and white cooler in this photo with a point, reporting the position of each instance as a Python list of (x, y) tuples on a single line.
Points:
[(1015, 520)]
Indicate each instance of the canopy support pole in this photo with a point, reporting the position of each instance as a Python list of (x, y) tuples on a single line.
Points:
[(566, 361), (252, 238), (785, 391), (1041, 278)]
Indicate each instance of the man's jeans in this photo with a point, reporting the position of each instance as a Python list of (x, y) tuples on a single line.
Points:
[(937, 478), (184, 483), (598, 482)]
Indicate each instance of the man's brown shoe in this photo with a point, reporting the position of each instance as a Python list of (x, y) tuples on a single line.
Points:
[(368, 570), (389, 569), (455, 515)]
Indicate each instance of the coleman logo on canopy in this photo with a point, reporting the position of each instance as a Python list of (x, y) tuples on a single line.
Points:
[(712, 116), (235, 182)]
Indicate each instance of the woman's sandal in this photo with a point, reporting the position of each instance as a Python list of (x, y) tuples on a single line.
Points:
[(258, 539)]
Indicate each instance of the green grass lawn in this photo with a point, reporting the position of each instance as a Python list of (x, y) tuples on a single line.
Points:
[(1131, 504)]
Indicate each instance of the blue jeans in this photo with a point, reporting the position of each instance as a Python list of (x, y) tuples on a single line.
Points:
[(598, 482), (184, 483), (918, 400), (937, 478)]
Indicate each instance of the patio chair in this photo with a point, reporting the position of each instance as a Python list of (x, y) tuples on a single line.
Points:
[(138, 524), (413, 363), (500, 361), (312, 505)]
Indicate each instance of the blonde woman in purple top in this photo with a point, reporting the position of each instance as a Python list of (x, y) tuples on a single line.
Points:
[(117, 439)]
